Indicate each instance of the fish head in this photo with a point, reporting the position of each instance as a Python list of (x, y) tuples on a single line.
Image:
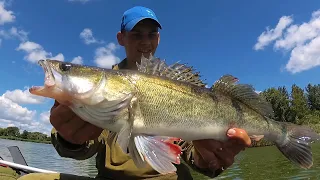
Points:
[(66, 81)]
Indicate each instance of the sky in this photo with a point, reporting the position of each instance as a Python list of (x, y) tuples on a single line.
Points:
[(263, 43)]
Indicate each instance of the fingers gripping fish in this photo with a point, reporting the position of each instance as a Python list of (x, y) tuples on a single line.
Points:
[(158, 103)]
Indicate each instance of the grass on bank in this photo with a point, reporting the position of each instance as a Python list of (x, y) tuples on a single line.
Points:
[(22, 139)]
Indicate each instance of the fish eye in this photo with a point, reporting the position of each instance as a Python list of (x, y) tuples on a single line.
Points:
[(65, 67)]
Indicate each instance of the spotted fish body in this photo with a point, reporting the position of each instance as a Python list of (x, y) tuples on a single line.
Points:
[(150, 107), (179, 109)]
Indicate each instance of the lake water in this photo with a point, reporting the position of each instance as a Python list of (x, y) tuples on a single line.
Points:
[(254, 163)]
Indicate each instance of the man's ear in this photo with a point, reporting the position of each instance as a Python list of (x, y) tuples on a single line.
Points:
[(120, 37)]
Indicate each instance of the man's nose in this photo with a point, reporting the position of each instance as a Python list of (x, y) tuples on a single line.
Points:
[(145, 39)]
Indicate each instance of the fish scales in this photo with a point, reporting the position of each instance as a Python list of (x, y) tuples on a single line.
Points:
[(171, 106)]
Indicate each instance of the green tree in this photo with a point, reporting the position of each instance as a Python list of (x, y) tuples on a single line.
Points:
[(299, 103), (313, 94), (3, 131), (13, 131), (279, 99), (24, 134), (37, 136)]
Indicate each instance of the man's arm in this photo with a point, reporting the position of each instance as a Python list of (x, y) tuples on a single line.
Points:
[(75, 151), (71, 136)]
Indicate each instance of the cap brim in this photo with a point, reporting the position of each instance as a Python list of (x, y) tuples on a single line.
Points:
[(130, 25)]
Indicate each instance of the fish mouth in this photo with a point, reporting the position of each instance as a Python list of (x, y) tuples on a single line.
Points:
[(49, 80), (51, 88)]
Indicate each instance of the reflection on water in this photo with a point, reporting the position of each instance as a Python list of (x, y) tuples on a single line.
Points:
[(254, 163)]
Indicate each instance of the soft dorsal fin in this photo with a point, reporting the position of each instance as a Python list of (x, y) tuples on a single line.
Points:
[(158, 67), (244, 93)]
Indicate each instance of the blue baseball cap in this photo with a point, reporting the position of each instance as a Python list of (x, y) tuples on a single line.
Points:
[(134, 15)]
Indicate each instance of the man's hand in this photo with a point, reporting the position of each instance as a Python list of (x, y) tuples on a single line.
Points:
[(70, 126), (218, 156)]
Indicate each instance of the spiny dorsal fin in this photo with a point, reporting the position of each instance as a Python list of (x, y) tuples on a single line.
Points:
[(244, 93), (158, 67)]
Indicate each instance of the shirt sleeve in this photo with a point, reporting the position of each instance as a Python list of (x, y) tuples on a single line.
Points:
[(75, 151)]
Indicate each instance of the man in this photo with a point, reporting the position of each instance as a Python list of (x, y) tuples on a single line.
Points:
[(77, 139)]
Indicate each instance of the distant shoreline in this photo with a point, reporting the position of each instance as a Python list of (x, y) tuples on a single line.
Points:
[(25, 140)]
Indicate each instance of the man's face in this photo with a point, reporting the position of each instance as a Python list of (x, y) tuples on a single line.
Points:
[(143, 39)]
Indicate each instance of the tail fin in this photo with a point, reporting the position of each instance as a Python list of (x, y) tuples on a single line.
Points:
[(296, 144)]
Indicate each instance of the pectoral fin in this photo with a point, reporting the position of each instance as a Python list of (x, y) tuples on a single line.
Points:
[(158, 153), (125, 132), (124, 136)]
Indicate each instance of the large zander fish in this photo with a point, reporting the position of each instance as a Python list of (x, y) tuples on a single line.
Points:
[(158, 103)]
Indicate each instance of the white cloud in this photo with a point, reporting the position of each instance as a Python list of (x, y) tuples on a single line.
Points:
[(77, 60), (105, 57), (44, 117), (87, 36), (13, 32), (301, 40), (6, 16), (39, 127), (12, 111), (305, 57), (23, 97), (44, 120), (20, 34), (5, 121), (35, 52), (271, 34), (298, 35), (59, 57), (29, 46)]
